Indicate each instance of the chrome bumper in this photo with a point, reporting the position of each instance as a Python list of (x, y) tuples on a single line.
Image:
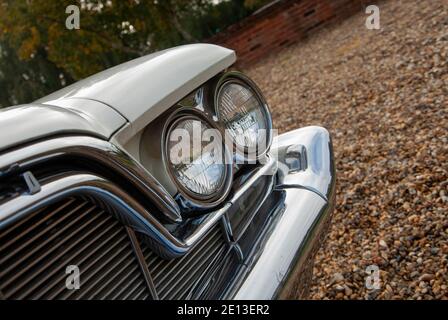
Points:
[(285, 254)]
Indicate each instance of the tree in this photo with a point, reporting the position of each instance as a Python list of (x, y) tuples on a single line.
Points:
[(40, 54), (25, 81)]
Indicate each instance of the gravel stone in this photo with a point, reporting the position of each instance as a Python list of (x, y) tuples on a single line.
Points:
[(383, 95), (338, 277), (426, 277)]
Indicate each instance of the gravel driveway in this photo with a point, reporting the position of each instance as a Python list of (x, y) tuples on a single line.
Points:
[(383, 95)]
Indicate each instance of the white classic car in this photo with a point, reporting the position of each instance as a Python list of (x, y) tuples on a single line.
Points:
[(160, 178)]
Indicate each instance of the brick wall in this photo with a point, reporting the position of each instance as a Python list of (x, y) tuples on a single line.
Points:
[(281, 24)]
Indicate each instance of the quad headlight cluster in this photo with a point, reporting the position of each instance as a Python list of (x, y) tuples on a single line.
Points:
[(199, 160)]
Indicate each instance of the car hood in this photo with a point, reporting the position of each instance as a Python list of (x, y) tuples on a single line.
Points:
[(141, 89)]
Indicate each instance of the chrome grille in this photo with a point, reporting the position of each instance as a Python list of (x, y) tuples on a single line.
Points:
[(176, 279), (35, 251)]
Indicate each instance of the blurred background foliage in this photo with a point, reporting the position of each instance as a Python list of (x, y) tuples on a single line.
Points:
[(38, 54)]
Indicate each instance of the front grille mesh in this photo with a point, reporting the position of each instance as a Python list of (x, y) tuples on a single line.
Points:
[(174, 279), (36, 250)]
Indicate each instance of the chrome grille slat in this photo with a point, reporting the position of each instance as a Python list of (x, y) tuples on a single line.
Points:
[(18, 224), (174, 279), (84, 258), (45, 275), (121, 264), (189, 262), (154, 262), (175, 263), (62, 287), (35, 238), (134, 273), (97, 267), (38, 247), (187, 288), (134, 282), (182, 278), (137, 294), (126, 297), (142, 296)]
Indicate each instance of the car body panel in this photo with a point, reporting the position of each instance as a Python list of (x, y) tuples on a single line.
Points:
[(141, 89), (100, 115), (30, 122)]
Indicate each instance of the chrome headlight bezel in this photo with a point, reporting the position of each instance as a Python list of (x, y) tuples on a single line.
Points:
[(242, 80), (203, 201)]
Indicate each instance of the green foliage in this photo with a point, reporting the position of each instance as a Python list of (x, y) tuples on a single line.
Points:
[(40, 55), (26, 80)]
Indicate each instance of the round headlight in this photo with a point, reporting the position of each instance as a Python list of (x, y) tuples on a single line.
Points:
[(245, 115), (197, 159)]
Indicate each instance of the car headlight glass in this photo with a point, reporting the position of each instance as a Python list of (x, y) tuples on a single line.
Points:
[(199, 171), (244, 114)]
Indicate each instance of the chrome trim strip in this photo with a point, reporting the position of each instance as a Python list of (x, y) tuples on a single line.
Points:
[(130, 211), (209, 222), (79, 183), (101, 152), (142, 263), (298, 186), (270, 168), (212, 218)]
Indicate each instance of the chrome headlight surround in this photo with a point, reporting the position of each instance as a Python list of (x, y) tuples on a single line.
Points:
[(199, 200), (240, 79)]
